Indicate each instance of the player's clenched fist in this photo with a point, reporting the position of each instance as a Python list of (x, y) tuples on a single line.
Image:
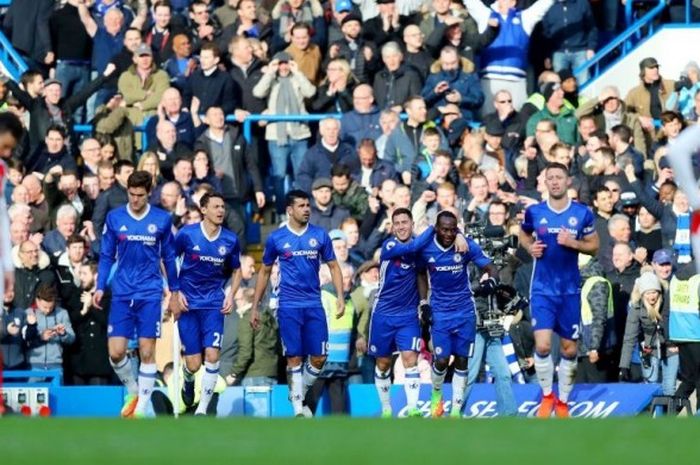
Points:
[(340, 310), (565, 238), (537, 249)]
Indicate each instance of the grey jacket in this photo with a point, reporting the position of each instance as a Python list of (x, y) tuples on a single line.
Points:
[(641, 328), (41, 353)]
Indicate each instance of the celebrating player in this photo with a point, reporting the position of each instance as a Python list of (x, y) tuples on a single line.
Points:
[(300, 248), (210, 254), (562, 229), (453, 321), (136, 236), (394, 321)]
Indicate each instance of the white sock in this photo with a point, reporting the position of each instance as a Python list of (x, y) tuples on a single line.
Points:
[(438, 378), (459, 385), (412, 387), (382, 381), (567, 374), (211, 376), (126, 375), (295, 381), (544, 367), (310, 375), (147, 379)]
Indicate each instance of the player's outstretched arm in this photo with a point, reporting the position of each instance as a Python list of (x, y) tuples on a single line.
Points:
[(397, 248), (260, 286), (337, 277)]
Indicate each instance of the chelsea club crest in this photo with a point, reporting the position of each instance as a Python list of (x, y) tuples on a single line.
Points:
[(152, 228), (222, 250), (313, 242)]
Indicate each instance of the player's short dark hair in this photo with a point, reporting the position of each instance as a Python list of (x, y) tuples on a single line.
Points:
[(56, 128), (293, 195), (10, 123), (204, 201), (622, 131), (46, 292), (445, 214), (401, 211), (340, 170), (557, 166), (140, 179)]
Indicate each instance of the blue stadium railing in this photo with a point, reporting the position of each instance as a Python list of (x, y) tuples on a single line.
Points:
[(625, 41)]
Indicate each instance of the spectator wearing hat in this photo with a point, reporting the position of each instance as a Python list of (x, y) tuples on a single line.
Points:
[(452, 85), (648, 99), (321, 157), (142, 85), (648, 231), (286, 13), (509, 118), (396, 82), (359, 53), (493, 139), (285, 88), (609, 111), (324, 213), (662, 263), (340, 10), (362, 122), (569, 28), (554, 110), (647, 327), (569, 84), (306, 54)]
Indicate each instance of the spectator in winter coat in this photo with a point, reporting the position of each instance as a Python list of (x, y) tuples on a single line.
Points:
[(452, 85), (31, 270), (323, 155), (394, 84), (324, 213), (48, 329), (362, 122), (142, 85), (211, 86)]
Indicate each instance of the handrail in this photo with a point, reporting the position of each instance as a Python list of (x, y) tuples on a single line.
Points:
[(12, 60), (622, 39)]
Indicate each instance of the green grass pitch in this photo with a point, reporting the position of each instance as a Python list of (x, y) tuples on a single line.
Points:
[(334, 441)]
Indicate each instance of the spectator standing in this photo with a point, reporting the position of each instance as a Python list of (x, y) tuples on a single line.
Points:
[(27, 25), (306, 54), (285, 88), (210, 85), (396, 82), (142, 85)]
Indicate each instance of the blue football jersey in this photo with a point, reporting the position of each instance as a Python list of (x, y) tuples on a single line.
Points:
[(300, 257), (137, 245), (206, 264), (450, 291), (556, 272), (397, 294)]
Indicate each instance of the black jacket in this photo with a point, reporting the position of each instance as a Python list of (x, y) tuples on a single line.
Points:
[(243, 83), (391, 89), (215, 90), (26, 283), (27, 26), (108, 200), (340, 102), (42, 161), (39, 116)]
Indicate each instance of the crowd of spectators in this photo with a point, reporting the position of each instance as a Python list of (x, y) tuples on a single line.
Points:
[(442, 104)]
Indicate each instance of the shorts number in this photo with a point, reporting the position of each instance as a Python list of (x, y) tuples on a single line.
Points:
[(158, 329), (576, 330), (217, 340), (324, 348), (415, 344)]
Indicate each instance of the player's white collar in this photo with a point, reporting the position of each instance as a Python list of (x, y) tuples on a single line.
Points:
[(303, 231), (441, 247), (568, 204), (204, 232), (143, 215)]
